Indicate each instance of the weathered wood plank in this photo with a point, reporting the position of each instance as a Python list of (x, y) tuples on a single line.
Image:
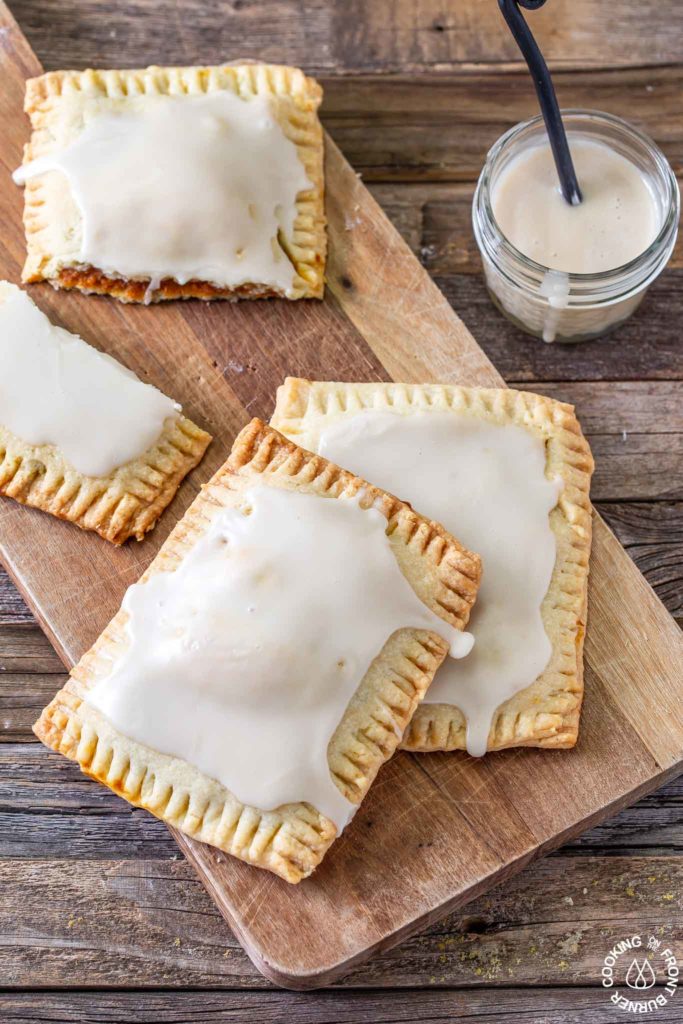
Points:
[(385, 36), (25, 648), (150, 923), (636, 466), (646, 347), (652, 535), (105, 829), (652, 826), (430, 1006), (606, 405), (612, 407), (13, 610), (13, 613), (22, 698), (49, 808), (439, 128), (662, 567), (643, 523)]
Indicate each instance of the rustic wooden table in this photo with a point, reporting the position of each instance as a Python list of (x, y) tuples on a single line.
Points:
[(100, 919)]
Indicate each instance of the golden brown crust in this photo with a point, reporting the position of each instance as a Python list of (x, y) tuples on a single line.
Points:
[(52, 220), (545, 714), (291, 840), (92, 282), (127, 503)]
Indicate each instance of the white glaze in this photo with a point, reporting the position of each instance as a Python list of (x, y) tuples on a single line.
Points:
[(243, 660), (555, 288), (56, 389), (486, 484), (617, 220), (184, 187)]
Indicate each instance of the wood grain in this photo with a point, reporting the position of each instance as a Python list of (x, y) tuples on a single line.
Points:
[(28, 650), (432, 1006), (647, 347), (383, 317), (151, 919), (23, 696), (437, 128), (380, 37)]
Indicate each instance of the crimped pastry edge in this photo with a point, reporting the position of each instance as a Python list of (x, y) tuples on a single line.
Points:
[(127, 503)]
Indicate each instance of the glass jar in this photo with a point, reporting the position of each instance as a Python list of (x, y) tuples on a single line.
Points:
[(557, 306)]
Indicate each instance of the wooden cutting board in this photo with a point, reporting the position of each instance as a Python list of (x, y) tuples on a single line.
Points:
[(436, 830)]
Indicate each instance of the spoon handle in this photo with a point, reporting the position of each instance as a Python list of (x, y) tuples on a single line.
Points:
[(546, 94)]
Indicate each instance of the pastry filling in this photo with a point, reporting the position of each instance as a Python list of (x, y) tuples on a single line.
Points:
[(487, 485), (55, 389), (192, 187), (243, 660)]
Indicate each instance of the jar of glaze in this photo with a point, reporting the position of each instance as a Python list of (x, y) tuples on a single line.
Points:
[(557, 305)]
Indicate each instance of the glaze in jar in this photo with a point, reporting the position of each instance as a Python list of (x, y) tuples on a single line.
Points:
[(544, 298)]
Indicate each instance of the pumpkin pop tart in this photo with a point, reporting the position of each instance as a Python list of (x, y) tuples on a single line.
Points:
[(270, 659), (509, 473), (163, 183)]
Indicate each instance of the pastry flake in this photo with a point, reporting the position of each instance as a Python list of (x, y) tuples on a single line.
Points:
[(545, 713), (61, 104), (292, 839)]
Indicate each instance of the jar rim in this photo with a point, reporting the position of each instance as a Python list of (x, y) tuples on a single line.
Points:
[(638, 270)]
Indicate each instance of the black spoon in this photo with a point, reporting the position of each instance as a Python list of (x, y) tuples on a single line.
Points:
[(546, 94)]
